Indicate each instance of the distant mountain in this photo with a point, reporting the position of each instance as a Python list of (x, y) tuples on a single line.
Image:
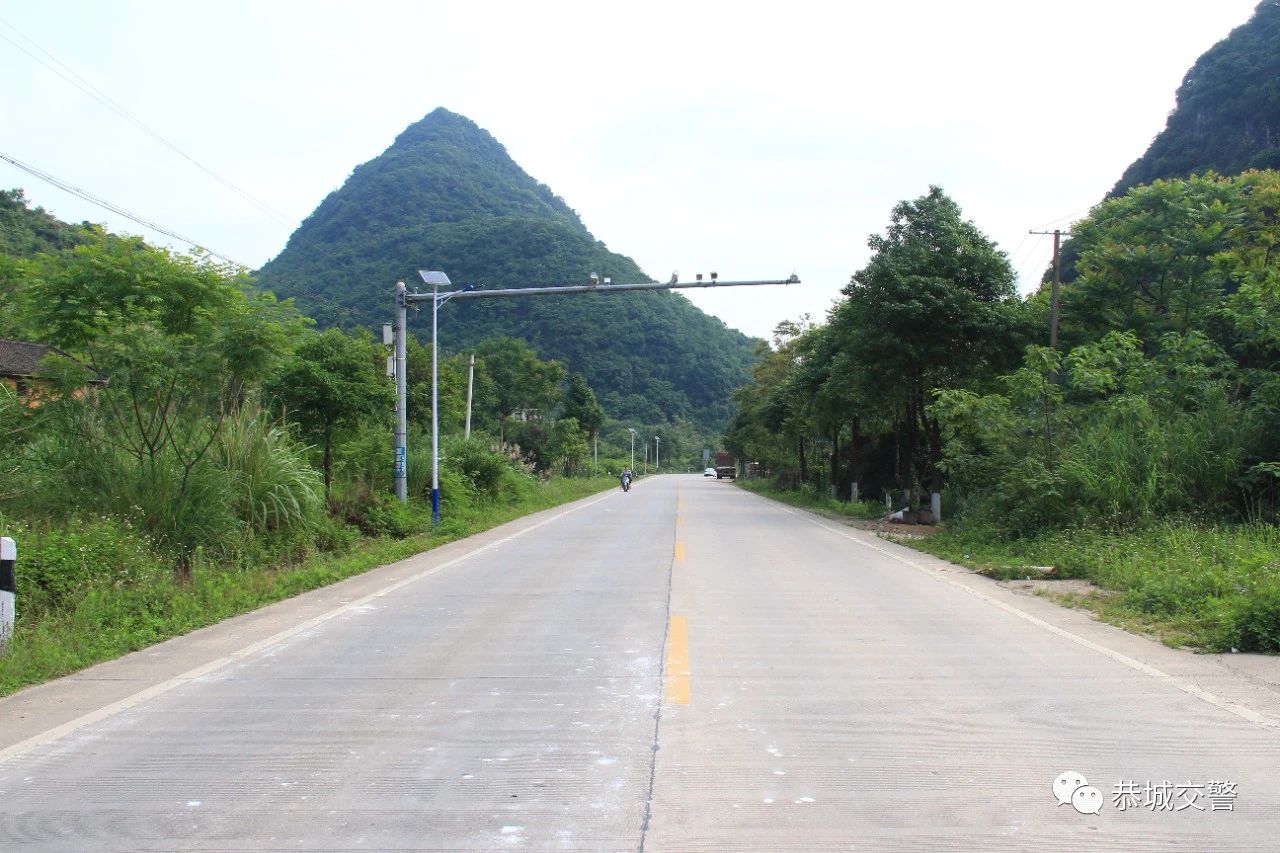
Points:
[(28, 231), (1227, 116), (447, 196)]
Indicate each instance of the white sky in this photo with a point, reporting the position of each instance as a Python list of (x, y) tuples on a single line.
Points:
[(755, 139)]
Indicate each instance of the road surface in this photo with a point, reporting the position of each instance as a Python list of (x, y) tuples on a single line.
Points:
[(686, 667)]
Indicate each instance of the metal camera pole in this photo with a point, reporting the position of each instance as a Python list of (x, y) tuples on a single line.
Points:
[(436, 279)]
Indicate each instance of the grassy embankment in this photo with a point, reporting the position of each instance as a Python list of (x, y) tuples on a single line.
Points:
[(1215, 588), (117, 594)]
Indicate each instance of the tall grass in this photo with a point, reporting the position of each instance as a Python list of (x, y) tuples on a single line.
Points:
[(1133, 464), (253, 481), (1212, 586), (274, 489)]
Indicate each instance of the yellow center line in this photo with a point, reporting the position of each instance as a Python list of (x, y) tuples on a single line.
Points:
[(679, 552), (676, 691)]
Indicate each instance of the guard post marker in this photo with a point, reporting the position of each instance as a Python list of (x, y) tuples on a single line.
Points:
[(8, 588)]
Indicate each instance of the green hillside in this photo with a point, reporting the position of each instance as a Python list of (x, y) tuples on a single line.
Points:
[(27, 231), (447, 196), (1227, 117)]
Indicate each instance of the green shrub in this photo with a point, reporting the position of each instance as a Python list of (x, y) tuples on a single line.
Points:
[(59, 565), (1255, 621), (488, 474)]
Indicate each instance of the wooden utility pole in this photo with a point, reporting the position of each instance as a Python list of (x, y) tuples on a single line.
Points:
[(1057, 285)]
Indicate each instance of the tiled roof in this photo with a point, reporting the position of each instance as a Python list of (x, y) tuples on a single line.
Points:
[(18, 358)]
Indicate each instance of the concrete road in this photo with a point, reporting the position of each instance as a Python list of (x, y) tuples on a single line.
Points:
[(684, 667)]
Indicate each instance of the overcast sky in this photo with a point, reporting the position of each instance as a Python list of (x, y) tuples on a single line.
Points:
[(755, 139)]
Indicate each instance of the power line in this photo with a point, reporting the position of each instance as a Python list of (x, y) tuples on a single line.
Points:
[(102, 98), (1069, 217), (101, 202)]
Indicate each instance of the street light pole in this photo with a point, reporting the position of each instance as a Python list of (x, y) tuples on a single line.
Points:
[(436, 279), (435, 403), (633, 448), (657, 456)]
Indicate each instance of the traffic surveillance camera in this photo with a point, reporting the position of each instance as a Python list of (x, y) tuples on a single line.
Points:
[(699, 276), (714, 275)]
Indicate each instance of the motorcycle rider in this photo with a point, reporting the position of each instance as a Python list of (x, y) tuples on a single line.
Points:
[(626, 479)]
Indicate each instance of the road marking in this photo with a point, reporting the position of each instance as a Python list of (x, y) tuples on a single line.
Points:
[(1133, 663), (679, 552), (190, 675), (676, 691), (679, 520)]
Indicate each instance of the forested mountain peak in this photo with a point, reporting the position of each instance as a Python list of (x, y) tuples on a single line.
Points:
[(446, 195), (442, 168), (1227, 117)]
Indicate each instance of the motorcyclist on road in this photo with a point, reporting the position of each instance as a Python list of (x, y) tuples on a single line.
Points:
[(626, 479)]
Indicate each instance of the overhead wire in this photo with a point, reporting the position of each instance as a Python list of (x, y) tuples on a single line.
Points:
[(1070, 217), (71, 77), (103, 203), (1036, 261)]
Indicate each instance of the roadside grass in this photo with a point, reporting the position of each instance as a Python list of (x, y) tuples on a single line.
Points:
[(1214, 588), (98, 589), (809, 499)]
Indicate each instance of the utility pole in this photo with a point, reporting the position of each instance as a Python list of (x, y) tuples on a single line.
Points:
[(1057, 284), (657, 455), (402, 397), (633, 448), (438, 298)]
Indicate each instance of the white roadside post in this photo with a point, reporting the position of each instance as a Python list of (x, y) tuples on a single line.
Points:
[(8, 588)]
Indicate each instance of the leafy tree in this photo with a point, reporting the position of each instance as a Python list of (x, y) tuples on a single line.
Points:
[(1146, 261), (565, 446), (176, 336), (580, 405), (171, 343), (521, 380), (331, 386), (935, 308), (1107, 435)]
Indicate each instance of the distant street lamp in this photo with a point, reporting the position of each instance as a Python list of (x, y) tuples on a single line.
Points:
[(657, 445)]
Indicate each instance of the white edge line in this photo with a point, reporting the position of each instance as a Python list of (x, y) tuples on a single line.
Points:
[(58, 732), (1185, 686)]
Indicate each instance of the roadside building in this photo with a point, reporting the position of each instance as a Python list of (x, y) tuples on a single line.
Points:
[(21, 373)]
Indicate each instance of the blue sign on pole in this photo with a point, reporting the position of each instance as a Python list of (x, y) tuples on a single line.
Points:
[(401, 463)]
